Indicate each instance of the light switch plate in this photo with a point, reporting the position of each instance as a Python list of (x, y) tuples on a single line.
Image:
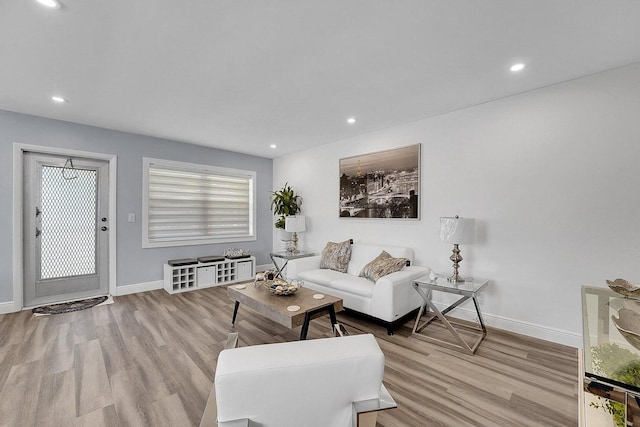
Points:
[(132, 217)]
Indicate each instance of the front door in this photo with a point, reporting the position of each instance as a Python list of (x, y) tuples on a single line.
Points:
[(66, 246)]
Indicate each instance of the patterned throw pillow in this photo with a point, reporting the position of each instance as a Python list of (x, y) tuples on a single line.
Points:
[(382, 265), (336, 256)]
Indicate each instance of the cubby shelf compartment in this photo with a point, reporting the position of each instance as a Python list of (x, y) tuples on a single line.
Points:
[(207, 274), (183, 278)]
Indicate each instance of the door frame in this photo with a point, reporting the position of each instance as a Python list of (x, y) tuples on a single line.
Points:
[(18, 232)]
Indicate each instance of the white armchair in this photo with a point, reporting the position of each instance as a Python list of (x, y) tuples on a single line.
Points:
[(330, 382)]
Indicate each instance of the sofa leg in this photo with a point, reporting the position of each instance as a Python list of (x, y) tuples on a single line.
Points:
[(389, 330)]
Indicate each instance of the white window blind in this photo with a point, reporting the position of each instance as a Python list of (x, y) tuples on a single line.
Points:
[(190, 204)]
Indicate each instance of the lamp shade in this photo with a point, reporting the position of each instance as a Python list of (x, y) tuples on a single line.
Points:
[(294, 224), (457, 230)]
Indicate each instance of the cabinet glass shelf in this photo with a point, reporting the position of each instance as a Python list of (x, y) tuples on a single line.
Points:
[(610, 355)]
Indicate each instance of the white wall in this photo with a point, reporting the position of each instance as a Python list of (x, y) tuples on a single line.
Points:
[(551, 176)]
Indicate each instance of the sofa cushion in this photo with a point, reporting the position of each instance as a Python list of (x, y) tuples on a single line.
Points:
[(336, 256), (367, 269), (322, 277), (354, 285), (382, 265), (363, 253)]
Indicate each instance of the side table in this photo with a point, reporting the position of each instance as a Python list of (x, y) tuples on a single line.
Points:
[(286, 256), (468, 289)]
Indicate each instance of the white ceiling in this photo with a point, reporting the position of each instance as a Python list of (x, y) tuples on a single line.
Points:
[(241, 74)]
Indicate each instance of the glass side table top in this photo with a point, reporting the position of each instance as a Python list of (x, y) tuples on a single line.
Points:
[(611, 352), (469, 287), (291, 255)]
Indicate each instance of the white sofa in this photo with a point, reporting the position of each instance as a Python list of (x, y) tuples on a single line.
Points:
[(330, 382), (390, 300)]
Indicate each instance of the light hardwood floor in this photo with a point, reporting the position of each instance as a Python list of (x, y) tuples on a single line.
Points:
[(149, 360)]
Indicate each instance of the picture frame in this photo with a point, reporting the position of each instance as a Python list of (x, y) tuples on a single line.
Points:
[(383, 184)]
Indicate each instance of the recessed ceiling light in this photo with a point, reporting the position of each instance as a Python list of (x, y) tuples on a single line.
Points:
[(273, 146), (53, 4), (351, 120), (517, 67), (58, 99)]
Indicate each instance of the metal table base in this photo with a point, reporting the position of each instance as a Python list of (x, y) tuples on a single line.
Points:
[(440, 315), (286, 256)]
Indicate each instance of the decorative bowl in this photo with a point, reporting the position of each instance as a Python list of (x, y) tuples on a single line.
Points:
[(628, 324), (625, 288), (281, 287)]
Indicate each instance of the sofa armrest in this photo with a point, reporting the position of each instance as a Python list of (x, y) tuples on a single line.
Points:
[(235, 423), (296, 266), (210, 415), (393, 294), (250, 382), (405, 276)]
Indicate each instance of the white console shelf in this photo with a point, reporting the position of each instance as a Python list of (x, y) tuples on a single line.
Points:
[(182, 278)]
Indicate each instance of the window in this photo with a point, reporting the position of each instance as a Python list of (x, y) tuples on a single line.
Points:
[(190, 204)]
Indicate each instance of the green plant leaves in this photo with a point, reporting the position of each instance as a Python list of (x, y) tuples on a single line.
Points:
[(285, 202)]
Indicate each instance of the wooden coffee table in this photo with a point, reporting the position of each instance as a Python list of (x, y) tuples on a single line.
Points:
[(275, 307)]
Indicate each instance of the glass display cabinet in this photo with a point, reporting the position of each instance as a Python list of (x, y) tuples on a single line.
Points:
[(611, 333)]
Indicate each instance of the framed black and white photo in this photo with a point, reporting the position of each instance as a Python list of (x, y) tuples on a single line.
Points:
[(384, 184)]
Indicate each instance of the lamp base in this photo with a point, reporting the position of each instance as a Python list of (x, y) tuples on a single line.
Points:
[(294, 240), (456, 258), (456, 279)]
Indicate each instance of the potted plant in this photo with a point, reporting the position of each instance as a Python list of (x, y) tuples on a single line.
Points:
[(285, 202)]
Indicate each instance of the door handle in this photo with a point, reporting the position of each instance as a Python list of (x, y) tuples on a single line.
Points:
[(38, 232), (103, 228)]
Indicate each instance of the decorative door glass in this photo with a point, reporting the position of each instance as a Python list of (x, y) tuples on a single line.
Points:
[(69, 211)]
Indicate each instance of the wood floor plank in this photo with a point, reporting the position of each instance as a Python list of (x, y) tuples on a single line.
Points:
[(19, 396), (59, 353), (93, 390), (21, 321), (37, 342), (101, 315), (149, 359), (150, 327), (130, 398), (188, 382), (9, 356), (56, 399), (92, 419), (111, 417), (115, 353), (169, 412), (146, 362)]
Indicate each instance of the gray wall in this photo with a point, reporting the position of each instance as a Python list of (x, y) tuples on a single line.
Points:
[(134, 264)]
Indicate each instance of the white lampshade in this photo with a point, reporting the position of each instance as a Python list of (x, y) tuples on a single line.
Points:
[(294, 224), (460, 231)]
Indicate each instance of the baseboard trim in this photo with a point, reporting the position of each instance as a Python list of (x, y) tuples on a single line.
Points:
[(8, 307), (537, 331), (524, 328), (139, 287), (264, 267)]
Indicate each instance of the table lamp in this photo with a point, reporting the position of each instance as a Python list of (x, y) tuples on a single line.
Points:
[(294, 224), (459, 231)]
